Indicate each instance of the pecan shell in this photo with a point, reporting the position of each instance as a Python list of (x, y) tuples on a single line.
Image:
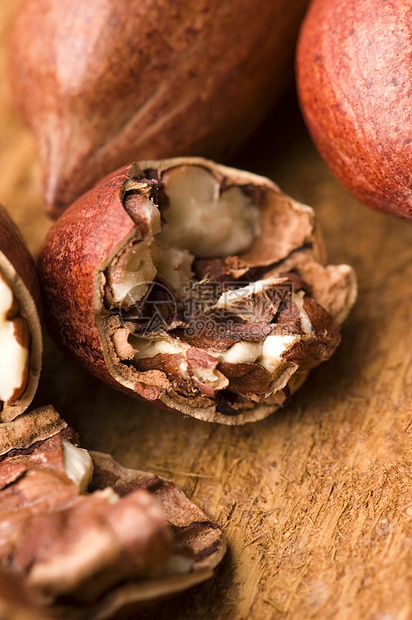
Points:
[(134, 538)]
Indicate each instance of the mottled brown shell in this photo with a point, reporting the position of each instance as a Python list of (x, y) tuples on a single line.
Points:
[(355, 84), (106, 82), (18, 269)]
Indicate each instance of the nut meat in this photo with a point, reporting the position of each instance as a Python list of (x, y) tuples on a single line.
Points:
[(195, 286), (20, 324), (106, 82)]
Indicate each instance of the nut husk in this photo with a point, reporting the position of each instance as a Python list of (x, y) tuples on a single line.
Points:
[(18, 271), (107, 82), (354, 73), (133, 539), (88, 249)]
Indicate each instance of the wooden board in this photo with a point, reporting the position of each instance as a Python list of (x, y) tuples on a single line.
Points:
[(316, 501)]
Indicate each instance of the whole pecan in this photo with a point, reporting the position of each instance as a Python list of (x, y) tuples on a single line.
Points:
[(105, 82), (354, 77), (197, 287)]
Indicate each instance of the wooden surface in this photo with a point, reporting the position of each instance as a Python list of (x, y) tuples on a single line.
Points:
[(316, 501)]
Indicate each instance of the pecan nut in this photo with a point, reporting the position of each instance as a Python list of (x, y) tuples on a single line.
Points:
[(198, 287), (104, 83)]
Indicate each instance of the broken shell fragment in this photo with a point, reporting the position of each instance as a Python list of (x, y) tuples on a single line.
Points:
[(354, 79), (132, 539), (20, 323), (195, 286)]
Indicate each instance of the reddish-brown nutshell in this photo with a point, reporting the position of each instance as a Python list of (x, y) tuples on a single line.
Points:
[(106, 82), (21, 343), (354, 67), (196, 287)]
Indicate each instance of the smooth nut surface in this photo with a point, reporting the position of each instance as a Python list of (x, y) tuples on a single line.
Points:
[(195, 286), (131, 539), (113, 81), (354, 72)]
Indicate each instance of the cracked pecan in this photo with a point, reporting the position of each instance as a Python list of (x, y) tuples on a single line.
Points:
[(198, 287)]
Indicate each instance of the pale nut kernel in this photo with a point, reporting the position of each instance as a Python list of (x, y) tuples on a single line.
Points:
[(14, 347), (204, 220), (77, 464), (199, 221)]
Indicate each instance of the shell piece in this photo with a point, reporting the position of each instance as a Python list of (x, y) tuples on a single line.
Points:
[(111, 81), (191, 527), (175, 340), (28, 429), (355, 81), (133, 539), (19, 278)]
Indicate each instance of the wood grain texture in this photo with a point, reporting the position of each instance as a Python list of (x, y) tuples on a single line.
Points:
[(316, 500)]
